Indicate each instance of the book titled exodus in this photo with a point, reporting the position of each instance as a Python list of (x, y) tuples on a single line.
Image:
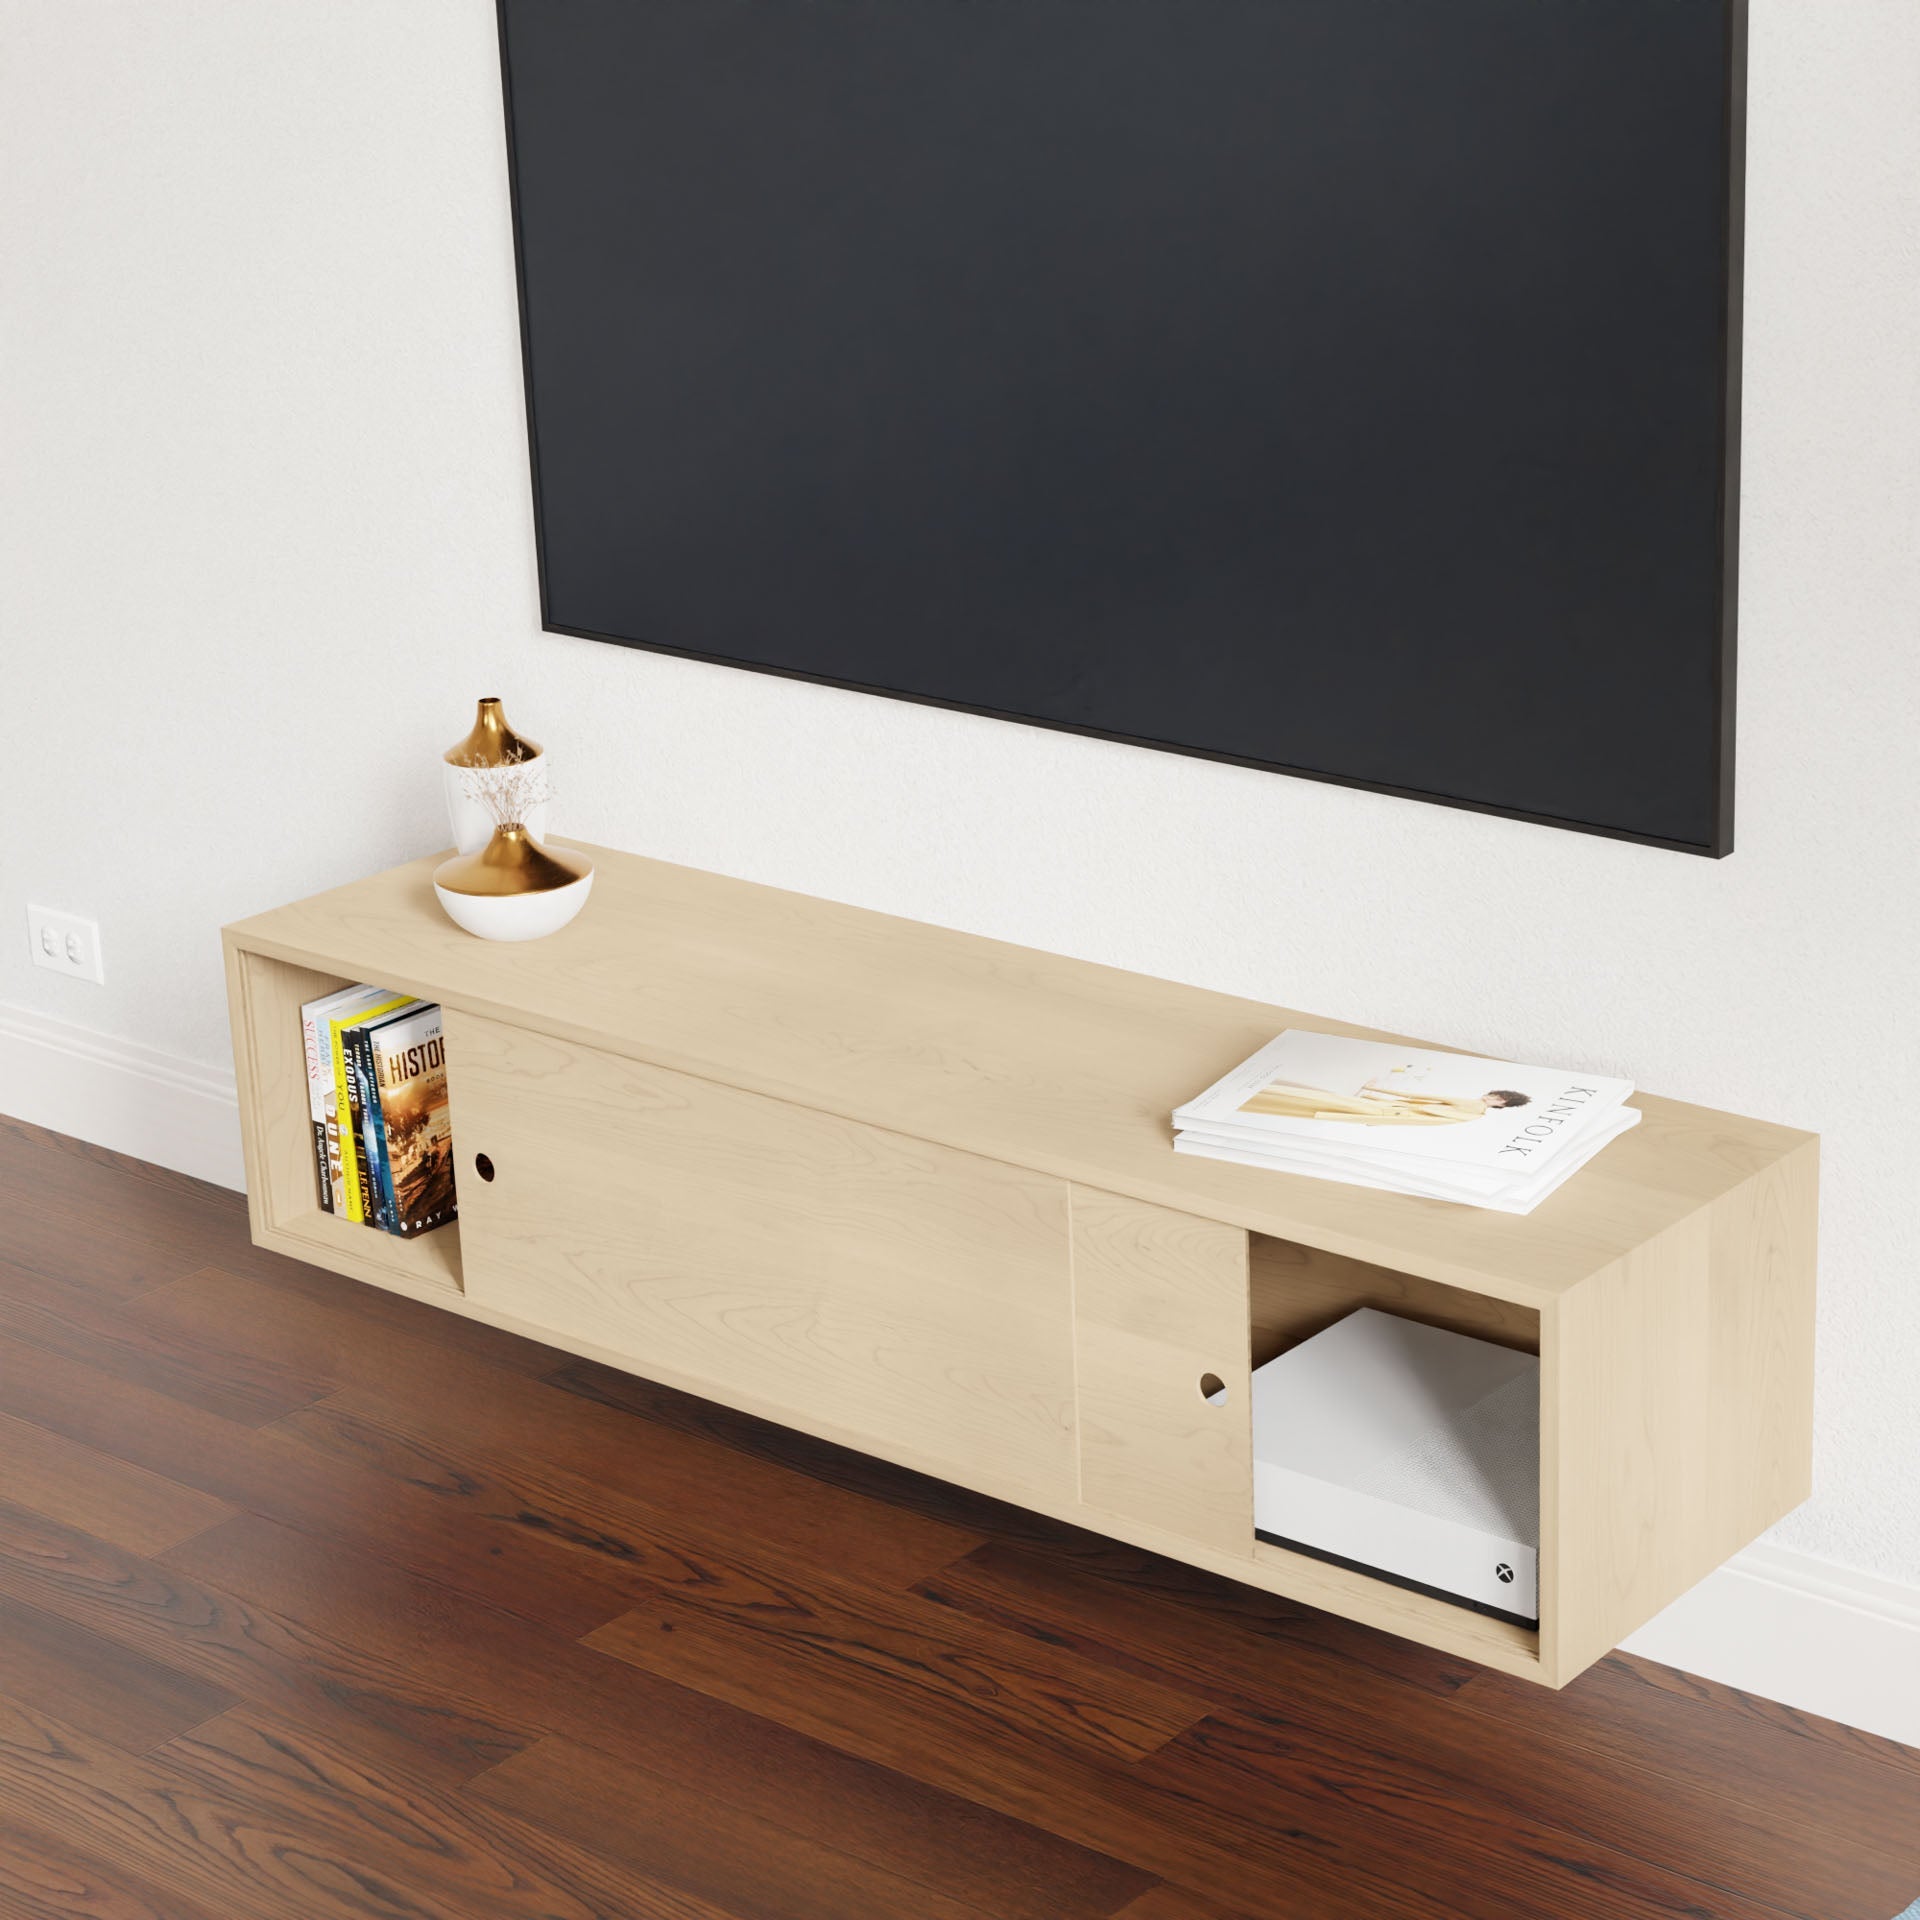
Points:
[(412, 1126), (1442, 1126)]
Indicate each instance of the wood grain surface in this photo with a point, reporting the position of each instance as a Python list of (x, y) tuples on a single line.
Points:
[(1034, 1059), (1160, 1328), (319, 1604), (908, 1296)]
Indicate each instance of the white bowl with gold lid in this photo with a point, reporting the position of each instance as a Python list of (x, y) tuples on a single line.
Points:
[(513, 888)]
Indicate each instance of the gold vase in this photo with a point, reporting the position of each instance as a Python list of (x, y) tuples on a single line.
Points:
[(514, 888), (490, 755), (491, 742)]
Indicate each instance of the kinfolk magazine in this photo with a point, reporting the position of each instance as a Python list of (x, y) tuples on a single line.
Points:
[(1446, 1126)]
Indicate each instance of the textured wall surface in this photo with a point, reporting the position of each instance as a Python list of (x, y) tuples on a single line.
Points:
[(264, 534)]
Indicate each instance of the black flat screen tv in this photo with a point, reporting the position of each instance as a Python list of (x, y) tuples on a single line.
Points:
[(1342, 387)]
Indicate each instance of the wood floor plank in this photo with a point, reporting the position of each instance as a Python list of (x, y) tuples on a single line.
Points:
[(1816, 1774), (282, 1851), (501, 1415), (179, 1225), (821, 1461), (1543, 1862), (136, 1816), (87, 1217), (100, 1686), (378, 1313), (1750, 1710), (1265, 1655), (638, 1544), (1283, 1622), (748, 1865), (1174, 1903), (648, 1559), (313, 1330), (492, 1665), (271, 1472), (861, 1653), (1853, 1799), (748, 1664), (1630, 1801), (1098, 1802), (1433, 1831), (248, 1754), (68, 1245), (100, 1494), (1290, 1629), (249, 1651), (48, 1877), (80, 1324), (36, 1158), (443, 1849)]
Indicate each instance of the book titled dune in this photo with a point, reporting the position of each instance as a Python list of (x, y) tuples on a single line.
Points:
[(415, 1126)]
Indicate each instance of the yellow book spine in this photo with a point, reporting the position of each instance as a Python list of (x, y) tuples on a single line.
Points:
[(349, 1141), (349, 1146)]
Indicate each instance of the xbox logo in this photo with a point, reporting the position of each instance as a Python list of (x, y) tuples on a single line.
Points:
[(1504, 1574)]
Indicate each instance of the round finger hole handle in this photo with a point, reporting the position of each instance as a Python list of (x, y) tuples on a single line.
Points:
[(483, 1166), (1212, 1387)]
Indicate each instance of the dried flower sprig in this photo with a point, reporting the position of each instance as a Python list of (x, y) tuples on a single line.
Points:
[(508, 794)]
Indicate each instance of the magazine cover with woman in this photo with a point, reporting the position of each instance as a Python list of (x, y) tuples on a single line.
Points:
[(1378, 1099)]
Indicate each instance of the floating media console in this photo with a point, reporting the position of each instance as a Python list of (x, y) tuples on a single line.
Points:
[(913, 1191)]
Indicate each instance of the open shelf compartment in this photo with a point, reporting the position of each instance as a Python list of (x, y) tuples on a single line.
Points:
[(1296, 1292), (265, 997)]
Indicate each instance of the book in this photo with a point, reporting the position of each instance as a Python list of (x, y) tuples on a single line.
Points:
[(326, 1095), (352, 1194), (376, 1164), (322, 1103), (1415, 1120), (376, 1210), (1576, 1140), (1520, 1195), (415, 1126), (373, 1158)]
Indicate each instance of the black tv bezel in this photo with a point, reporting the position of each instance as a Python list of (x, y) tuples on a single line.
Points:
[(1716, 847)]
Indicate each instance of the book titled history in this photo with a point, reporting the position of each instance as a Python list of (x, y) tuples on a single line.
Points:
[(1444, 1126), (376, 1184), (413, 1120)]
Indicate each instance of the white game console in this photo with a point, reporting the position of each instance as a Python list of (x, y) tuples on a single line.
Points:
[(1405, 1451)]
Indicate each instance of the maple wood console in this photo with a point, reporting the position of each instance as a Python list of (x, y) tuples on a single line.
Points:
[(913, 1191)]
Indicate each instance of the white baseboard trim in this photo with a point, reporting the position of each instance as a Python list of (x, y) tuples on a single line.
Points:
[(1815, 1636), (118, 1094), (1789, 1627)]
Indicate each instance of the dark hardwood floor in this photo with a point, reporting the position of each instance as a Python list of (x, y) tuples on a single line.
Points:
[(315, 1603)]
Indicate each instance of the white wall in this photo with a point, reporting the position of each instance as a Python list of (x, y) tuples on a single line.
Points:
[(264, 535)]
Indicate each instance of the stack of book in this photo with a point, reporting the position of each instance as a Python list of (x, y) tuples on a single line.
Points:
[(377, 1094), (1443, 1126)]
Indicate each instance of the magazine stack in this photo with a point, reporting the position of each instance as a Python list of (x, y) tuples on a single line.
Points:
[(377, 1096), (1443, 1126)]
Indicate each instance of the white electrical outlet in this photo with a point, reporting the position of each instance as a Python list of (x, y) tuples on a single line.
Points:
[(65, 943)]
